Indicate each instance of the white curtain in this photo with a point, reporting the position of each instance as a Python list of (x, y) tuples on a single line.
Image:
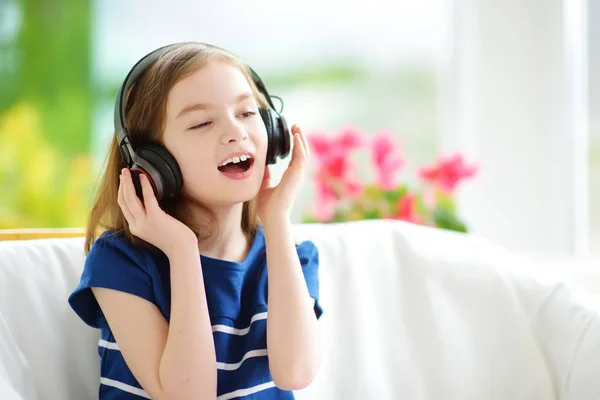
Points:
[(515, 92)]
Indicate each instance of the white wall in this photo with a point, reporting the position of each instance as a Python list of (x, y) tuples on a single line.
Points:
[(515, 112)]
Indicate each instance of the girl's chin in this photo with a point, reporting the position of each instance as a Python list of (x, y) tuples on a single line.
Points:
[(225, 198)]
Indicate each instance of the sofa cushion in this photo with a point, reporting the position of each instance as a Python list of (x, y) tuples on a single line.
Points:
[(54, 353)]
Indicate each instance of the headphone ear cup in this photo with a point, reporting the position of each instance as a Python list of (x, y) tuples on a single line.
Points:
[(165, 168), (265, 114), (282, 137), (278, 135)]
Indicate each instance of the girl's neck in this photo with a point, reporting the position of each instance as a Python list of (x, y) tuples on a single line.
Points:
[(228, 241)]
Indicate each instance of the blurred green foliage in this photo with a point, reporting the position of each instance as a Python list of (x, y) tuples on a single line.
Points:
[(332, 73), (42, 185), (45, 114)]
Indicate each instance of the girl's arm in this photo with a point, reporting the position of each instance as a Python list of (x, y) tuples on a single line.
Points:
[(170, 361), (293, 337), (173, 360)]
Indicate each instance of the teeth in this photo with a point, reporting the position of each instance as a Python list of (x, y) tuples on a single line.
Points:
[(236, 160)]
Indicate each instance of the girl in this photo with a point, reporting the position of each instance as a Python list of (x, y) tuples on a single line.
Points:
[(193, 297)]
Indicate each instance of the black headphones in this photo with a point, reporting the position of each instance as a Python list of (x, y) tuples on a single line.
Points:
[(155, 161)]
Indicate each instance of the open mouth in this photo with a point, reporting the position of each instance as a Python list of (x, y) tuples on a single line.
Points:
[(237, 166)]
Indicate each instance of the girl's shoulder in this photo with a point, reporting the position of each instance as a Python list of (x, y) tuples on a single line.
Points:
[(112, 245), (113, 262)]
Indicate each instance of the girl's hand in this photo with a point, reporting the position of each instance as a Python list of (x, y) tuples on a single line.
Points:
[(276, 202), (148, 221)]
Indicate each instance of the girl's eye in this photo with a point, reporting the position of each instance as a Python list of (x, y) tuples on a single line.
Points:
[(248, 114), (202, 125)]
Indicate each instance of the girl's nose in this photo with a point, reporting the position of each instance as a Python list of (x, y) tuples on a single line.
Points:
[(233, 132)]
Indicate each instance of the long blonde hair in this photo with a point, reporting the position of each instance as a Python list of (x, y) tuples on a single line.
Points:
[(146, 109)]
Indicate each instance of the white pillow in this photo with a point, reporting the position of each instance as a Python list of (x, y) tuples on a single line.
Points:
[(15, 372)]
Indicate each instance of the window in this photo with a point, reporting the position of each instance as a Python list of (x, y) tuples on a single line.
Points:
[(594, 125)]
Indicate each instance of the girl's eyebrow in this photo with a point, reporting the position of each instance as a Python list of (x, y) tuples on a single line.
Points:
[(202, 106)]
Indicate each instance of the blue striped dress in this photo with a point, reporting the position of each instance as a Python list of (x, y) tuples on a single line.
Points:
[(237, 302)]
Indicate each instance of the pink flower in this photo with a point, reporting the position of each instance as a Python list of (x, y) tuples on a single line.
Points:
[(351, 138), (336, 165), (429, 197), (324, 207), (319, 143), (448, 172), (330, 148), (323, 211), (387, 160), (406, 209), (332, 177), (355, 188), (328, 195)]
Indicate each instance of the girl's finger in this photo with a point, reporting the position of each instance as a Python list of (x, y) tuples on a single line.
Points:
[(133, 202), (148, 194), (305, 142), (295, 152), (295, 129), (295, 170), (301, 158), (121, 201)]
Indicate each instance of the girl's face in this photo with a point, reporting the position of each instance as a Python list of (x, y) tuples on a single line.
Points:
[(215, 132)]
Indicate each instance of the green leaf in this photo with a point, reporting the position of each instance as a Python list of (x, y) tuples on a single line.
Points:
[(445, 201), (372, 213), (448, 220), (393, 196), (340, 215), (372, 192), (309, 219)]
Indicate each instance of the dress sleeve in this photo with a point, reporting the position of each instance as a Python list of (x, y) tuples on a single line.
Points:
[(114, 264), (309, 259)]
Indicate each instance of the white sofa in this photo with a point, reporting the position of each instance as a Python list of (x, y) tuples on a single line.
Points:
[(409, 313)]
